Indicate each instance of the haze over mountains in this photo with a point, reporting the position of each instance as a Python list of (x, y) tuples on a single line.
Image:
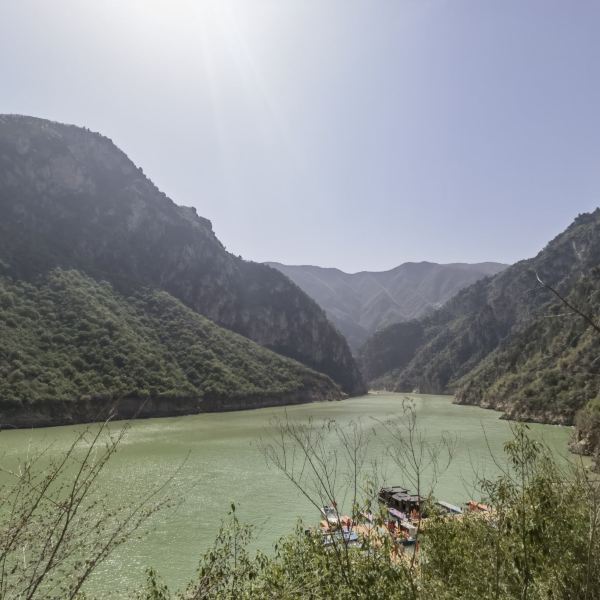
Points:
[(77, 215), (361, 303), (111, 293)]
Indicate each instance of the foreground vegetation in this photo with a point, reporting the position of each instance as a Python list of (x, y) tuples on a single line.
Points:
[(541, 540)]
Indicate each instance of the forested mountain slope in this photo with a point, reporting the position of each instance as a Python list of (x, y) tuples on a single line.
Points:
[(71, 199), (361, 303), (549, 371), (73, 349), (508, 342)]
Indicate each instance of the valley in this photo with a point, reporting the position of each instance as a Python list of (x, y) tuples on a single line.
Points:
[(117, 304), (359, 304), (299, 300)]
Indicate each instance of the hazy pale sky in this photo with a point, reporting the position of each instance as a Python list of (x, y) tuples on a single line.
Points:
[(355, 134)]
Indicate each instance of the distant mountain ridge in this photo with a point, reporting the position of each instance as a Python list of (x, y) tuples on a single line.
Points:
[(71, 200), (361, 303)]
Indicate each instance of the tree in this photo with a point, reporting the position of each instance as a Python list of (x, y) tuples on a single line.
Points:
[(57, 524)]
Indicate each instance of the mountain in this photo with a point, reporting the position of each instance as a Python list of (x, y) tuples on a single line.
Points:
[(74, 348), (70, 199), (507, 342), (361, 303)]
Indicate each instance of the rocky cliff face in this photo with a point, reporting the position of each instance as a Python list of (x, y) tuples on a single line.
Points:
[(70, 198), (361, 303)]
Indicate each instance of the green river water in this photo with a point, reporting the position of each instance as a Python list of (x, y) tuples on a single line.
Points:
[(225, 464)]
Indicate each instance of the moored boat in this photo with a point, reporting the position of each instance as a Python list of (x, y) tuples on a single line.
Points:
[(347, 537), (331, 515), (449, 509)]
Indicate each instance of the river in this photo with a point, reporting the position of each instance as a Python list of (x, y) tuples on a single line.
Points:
[(220, 462)]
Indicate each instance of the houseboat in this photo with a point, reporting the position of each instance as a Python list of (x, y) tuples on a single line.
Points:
[(399, 499)]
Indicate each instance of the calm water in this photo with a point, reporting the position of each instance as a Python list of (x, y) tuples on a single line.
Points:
[(225, 464)]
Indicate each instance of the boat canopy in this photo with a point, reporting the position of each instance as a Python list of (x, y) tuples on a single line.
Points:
[(450, 507), (397, 514), (410, 498), (394, 489), (348, 537)]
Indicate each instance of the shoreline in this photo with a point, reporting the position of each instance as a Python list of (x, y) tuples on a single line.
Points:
[(41, 414)]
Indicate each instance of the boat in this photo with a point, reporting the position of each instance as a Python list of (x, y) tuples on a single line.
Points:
[(449, 509), (478, 507), (331, 515), (402, 505), (347, 537), (403, 529), (386, 494), (396, 514), (399, 498)]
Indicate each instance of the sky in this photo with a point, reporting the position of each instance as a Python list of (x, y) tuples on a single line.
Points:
[(345, 133)]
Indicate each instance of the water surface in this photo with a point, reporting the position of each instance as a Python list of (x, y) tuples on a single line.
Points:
[(224, 464)]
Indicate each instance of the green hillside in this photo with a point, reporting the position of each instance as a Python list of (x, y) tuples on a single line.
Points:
[(507, 342), (67, 338), (548, 372), (70, 198)]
